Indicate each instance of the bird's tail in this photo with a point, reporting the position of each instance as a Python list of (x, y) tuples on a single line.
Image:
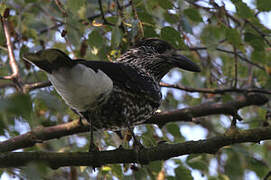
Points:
[(49, 59)]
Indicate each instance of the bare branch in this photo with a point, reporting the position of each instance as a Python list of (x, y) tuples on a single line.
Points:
[(37, 85), (12, 62), (235, 67), (162, 151), (187, 114)]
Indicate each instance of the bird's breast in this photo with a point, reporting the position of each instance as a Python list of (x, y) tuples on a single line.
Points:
[(81, 87)]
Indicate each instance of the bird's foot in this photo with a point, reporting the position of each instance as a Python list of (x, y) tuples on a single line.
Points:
[(139, 149), (141, 157), (93, 148), (137, 144)]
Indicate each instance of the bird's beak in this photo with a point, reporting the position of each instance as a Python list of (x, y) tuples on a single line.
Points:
[(183, 62)]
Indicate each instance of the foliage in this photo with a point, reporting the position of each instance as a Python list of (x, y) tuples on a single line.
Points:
[(232, 47)]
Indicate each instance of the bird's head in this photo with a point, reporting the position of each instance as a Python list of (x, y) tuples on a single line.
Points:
[(48, 60), (157, 57), (164, 50)]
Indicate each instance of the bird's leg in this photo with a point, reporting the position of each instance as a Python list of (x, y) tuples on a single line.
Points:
[(138, 145), (92, 146), (121, 137)]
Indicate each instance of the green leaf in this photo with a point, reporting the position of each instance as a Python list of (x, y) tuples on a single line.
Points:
[(75, 5), (171, 35), (171, 18), (233, 165), (196, 161), (116, 37), (255, 41), (18, 104), (50, 101), (2, 36), (174, 129), (258, 166), (165, 4), (155, 166), (264, 5), (149, 31), (37, 25), (95, 39), (243, 10), (73, 30), (145, 17), (211, 35), (117, 171), (182, 172), (233, 36), (193, 14), (186, 25)]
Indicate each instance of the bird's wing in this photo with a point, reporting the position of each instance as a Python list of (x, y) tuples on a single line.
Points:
[(126, 77)]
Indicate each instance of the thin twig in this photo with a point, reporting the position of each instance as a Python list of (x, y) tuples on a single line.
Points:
[(37, 85), (215, 91), (120, 13), (140, 26), (103, 15), (235, 67), (12, 62), (241, 57), (61, 8), (90, 19)]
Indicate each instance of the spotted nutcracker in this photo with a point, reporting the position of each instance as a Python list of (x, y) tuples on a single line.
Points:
[(113, 95)]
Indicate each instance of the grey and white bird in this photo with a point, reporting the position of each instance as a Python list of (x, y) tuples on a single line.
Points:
[(113, 95)]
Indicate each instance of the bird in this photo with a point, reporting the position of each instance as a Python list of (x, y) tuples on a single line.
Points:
[(113, 95)]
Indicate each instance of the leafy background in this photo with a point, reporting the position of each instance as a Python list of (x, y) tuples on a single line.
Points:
[(229, 39)]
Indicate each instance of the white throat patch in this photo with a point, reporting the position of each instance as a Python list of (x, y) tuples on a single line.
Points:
[(80, 86)]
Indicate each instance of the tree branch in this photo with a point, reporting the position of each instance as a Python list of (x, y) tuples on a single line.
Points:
[(12, 62), (37, 85), (206, 109), (39, 135), (163, 151), (215, 91)]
